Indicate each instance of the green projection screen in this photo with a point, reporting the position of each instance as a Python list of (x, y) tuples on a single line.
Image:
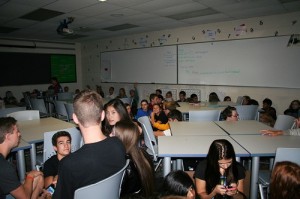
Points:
[(64, 68)]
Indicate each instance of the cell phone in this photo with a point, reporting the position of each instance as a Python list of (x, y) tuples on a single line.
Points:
[(51, 189)]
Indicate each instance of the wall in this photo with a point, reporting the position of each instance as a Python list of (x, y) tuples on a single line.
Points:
[(42, 47), (285, 24)]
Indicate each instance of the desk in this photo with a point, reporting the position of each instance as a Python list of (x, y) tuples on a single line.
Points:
[(21, 158), (190, 146), (260, 146), (242, 127), (195, 128), (32, 131)]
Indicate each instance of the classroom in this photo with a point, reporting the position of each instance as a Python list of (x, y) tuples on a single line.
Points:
[(238, 48)]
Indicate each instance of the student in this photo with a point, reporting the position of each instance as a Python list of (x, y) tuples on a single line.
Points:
[(111, 94), (10, 99), (99, 90), (227, 99), (55, 85), (229, 114), (182, 96), (99, 157), (178, 183), (295, 132), (115, 111), (294, 109), (168, 106), (213, 97), (193, 98), (143, 111), (139, 176), (158, 116), (160, 99), (268, 113), (153, 100), (219, 167), (10, 183), (66, 89), (61, 142), (158, 92), (285, 181), (122, 93), (169, 96), (246, 100), (163, 129), (134, 95)]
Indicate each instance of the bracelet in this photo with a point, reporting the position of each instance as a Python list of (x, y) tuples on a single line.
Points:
[(29, 177)]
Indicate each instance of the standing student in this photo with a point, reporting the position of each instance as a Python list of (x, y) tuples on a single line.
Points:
[(99, 158), (218, 171), (139, 175), (285, 181), (61, 142), (9, 181)]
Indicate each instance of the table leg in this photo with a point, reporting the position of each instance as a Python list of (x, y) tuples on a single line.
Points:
[(179, 163), (167, 165), (254, 177), (33, 156), (21, 164)]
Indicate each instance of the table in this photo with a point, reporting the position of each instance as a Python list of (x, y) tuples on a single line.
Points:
[(263, 146), (190, 146), (196, 128), (242, 127), (21, 158), (32, 131)]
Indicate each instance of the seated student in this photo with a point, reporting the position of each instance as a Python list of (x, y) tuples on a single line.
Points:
[(279, 132), (267, 113), (227, 99), (122, 93), (128, 108), (158, 92), (139, 175), (153, 100), (164, 129), (10, 99), (213, 97), (61, 142), (246, 100), (134, 95), (9, 181), (178, 183), (294, 109), (160, 99), (168, 106), (218, 171), (158, 116), (169, 96), (193, 98), (285, 180), (66, 89), (99, 90), (143, 111), (229, 114), (182, 96), (111, 94)]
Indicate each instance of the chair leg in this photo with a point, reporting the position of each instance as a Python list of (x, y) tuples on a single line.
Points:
[(261, 191), (157, 165)]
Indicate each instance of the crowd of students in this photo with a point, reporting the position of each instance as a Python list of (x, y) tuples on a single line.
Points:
[(112, 134)]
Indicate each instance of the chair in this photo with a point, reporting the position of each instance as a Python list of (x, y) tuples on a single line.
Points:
[(127, 100), (107, 188), (150, 140), (61, 111), (48, 150), (66, 96), (70, 110), (5, 111), (25, 115), (282, 154), (284, 122), (204, 115), (39, 104), (247, 112), (27, 100)]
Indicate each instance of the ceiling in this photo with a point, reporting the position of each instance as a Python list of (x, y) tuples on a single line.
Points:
[(39, 19)]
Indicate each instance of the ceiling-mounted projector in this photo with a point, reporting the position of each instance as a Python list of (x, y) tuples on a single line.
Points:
[(63, 28)]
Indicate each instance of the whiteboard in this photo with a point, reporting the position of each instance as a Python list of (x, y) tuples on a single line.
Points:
[(261, 62), (146, 65)]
